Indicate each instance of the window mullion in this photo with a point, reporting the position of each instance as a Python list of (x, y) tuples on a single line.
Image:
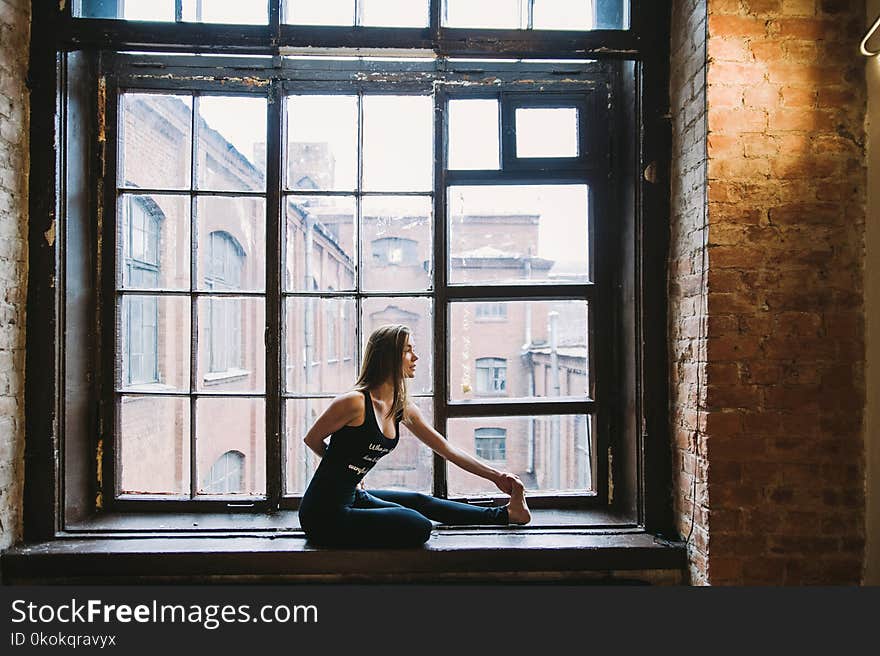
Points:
[(440, 355), (194, 316), (274, 222)]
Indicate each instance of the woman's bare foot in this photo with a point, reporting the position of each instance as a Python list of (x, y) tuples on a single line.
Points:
[(518, 509)]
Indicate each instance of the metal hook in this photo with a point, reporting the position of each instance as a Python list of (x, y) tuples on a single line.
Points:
[(868, 35)]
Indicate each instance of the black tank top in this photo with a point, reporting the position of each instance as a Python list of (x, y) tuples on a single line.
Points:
[(354, 450)]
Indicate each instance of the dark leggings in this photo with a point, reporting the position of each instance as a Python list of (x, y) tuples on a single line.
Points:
[(391, 518)]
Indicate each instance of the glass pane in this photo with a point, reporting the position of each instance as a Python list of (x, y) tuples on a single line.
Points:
[(231, 243), (230, 446), (417, 314), (300, 462), (407, 467), (499, 14), (518, 349), (232, 143), (153, 338), (564, 14), (473, 134), (326, 12), (547, 132), (319, 243), (322, 138), (398, 143), (155, 141), (519, 234), (551, 454), (150, 10), (397, 236), (154, 240), (231, 350), (153, 445), (410, 465), (394, 13), (320, 345), (223, 11)]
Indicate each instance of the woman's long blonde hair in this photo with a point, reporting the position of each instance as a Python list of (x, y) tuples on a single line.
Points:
[(383, 360)]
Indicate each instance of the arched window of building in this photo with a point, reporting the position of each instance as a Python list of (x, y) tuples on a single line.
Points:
[(225, 264), (226, 475), (491, 443), (142, 226), (491, 375), (395, 250)]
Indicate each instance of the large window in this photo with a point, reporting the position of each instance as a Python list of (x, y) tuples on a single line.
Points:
[(264, 208)]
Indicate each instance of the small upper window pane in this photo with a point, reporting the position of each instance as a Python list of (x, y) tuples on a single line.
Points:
[(563, 14), (394, 13), (547, 132), (497, 14), (224, 11), (147, 10), (473, 134), (537, 14), (326, 12)]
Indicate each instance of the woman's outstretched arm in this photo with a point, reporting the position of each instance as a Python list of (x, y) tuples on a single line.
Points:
[(342, 410), (426, 433)]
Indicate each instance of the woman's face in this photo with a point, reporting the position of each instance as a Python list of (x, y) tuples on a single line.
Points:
[(409, 359)]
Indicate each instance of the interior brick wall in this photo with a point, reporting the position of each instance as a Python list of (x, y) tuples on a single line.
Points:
[(785, 395), (14, 158), (687, 282)]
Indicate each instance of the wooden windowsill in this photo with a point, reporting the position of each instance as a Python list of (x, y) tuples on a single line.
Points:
[(559, 546)]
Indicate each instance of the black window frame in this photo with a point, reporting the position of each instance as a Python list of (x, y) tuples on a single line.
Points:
[(66, 65)]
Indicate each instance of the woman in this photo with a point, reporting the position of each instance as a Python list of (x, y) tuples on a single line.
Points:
[(336, 511)]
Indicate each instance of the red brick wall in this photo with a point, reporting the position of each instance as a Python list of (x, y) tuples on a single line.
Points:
[(687, 283), (785, 357)]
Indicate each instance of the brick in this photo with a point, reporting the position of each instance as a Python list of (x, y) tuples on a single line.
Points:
[(745, 26)]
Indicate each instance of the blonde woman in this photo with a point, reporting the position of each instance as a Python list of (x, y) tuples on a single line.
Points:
[(363, 426)]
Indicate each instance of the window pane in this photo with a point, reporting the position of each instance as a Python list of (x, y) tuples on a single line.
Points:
[(410, 465), (551, 454), (300, 462), (155, 143), (231, 349), (473, 134), (326, 12), (499, 14), (231, 243), (518, 234), (394, 13), (564, 14), (398, 143), (153, 445), (320, 345), (396, 232), (237, 425), (407, 467), (319, 243), (153, 343), (538, 350), (151, 10), (223, 11), (232, 143), (322, 138), (547, 132), (153, 233), (417, 314)]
